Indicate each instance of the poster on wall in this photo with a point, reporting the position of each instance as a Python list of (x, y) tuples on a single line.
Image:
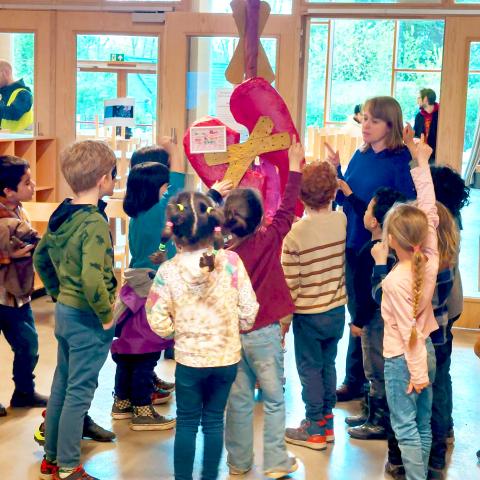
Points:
[(119, 112), (208, 139)]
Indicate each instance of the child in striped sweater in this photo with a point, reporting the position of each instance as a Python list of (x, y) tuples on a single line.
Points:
[(313, 260)]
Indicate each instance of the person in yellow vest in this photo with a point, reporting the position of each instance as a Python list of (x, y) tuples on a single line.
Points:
[(16, 101)]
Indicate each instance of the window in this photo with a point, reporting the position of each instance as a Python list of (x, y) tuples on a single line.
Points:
[(223, 6), (365, 58)]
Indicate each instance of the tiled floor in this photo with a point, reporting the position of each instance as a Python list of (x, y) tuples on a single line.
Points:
[(149, 455)]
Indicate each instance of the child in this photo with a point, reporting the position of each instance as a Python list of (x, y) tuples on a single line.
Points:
[(368, 324), (313, 260), (451, 191), (202, 297), (262, 353), (408, 315), (137, 349), (75, 262), (448, 247), (16, 279)]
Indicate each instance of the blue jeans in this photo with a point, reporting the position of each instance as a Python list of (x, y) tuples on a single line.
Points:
[(134, 377), (18, 327), (83, 347), (202, 394), (410, 414), (262, 359), (316, 338)]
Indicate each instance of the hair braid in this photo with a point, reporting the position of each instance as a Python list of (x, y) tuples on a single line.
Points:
[(418, 269)]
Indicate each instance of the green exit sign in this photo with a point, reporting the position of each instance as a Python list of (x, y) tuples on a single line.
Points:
[(117, 57)]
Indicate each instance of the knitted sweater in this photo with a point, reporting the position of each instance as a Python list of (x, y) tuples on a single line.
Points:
[(204, 311), (313, 260)]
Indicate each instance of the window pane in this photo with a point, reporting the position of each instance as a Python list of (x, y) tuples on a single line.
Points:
[(99, 47), (407, 87), (143, 88), (23, 56), (467, 1), (206, 82), (361, 63), (317, 63), (473, 106), (223, 6), (420, 44), (90, 100), (474, 56)]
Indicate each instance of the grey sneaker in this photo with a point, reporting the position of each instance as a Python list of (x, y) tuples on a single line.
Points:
[(121, 409), (147, 418), (283, 472)]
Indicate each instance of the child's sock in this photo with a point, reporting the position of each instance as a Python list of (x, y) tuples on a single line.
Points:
[(65, 472)]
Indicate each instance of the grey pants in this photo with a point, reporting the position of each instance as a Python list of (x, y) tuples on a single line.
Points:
[(373, 361)]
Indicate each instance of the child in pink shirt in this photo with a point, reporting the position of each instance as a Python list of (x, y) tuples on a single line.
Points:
[(408, 315)]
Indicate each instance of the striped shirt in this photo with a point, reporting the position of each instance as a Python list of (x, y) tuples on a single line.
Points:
[(313, 260)]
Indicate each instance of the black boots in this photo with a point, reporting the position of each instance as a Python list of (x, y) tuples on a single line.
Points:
[(373, 428), (96, 432), (356, 420)]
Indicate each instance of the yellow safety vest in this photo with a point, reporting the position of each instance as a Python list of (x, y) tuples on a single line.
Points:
[(23, 122)]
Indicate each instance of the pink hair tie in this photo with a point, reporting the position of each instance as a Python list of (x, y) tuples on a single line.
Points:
[(417, 249), (169, 224), (217, 229)]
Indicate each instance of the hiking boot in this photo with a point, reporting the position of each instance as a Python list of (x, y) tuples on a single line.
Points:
[(282, 472), (345, 393), (121, 409), (237, 471), (47, 469), (309, 434), (96, 432), (373, 428), (397, 472), (329, 432), (159, 396), (3, 411), (28, 400), (147, 418), (163, 384), (78, 474), (356, 420)]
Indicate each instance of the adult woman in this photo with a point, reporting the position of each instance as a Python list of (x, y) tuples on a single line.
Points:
[(382, 161)]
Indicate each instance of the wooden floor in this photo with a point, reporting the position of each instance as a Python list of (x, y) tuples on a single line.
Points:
[(148, 455)]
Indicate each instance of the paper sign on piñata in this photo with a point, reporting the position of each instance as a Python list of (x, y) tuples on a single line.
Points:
[(208, 139)]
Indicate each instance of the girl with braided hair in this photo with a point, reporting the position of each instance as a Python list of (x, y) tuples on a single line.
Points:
[(408, 314), (203, 298)]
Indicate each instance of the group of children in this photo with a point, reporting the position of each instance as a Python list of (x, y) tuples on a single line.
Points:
[(228, 307)]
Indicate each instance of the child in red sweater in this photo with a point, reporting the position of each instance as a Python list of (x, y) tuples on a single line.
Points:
[(262, 355)]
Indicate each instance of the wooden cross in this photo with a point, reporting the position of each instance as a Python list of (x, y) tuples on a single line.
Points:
[(240, 156), (236, 70)]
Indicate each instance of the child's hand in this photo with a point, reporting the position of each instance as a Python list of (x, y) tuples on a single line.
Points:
[(418, 387), (296, 154), (107, 326), (423, 152), (25, 251), (167, 144), (408, 135), (356, 331), (380, 253), (344, 187), (333, 156), (223, 187)]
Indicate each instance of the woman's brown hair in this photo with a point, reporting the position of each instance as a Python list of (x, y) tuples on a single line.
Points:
[(408, 225), (388, 110)]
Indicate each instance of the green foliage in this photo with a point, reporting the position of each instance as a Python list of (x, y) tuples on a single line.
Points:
[(23, 56)]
